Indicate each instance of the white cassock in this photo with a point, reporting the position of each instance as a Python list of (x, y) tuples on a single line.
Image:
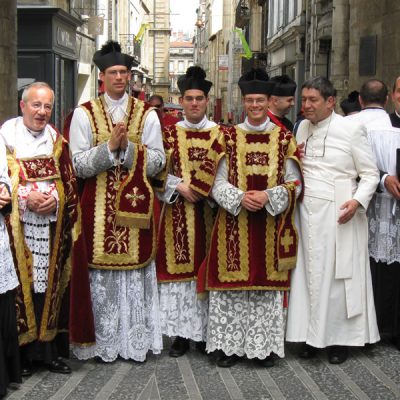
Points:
[(182, 312), (248, 322), (125, 303), (331, 300)]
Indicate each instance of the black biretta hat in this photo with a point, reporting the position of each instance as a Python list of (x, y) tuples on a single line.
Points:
[(351, 104), (255, 81), (195, 78), (284, 86), (110, 55)]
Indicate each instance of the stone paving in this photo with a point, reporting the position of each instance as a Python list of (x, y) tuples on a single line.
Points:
[(369, 373)]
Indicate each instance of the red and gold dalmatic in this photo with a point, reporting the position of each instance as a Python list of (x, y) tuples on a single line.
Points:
[(254, 250), (67, 304), (117, 203), (185, 227)]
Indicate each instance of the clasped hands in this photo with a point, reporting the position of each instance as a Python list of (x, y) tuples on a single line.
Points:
[(5, 197), (119, 137), (188, 193), (254, 200), (41, 203)]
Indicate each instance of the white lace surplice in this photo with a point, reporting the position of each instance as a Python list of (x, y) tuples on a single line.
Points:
[(247, 323), (182, 313), (384, 209), (126, 314), (8, 275)]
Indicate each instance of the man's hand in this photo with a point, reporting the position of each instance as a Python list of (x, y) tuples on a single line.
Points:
[(392, 184), (117, 134), (41, 203), (349, 209), (5, 197), (254, 200), (301, 150), (188, 193), (124, 139)]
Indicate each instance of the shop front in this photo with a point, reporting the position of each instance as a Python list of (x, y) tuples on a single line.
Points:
[(47, 51)]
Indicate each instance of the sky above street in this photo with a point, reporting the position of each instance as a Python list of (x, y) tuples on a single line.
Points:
[(183, 14)]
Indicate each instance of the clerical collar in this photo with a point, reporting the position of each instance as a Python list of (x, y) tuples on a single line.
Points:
[(275, 115), (256, 128), (398, 115), (116, 108), (323, 122), (200, 125), (373, 108), (35, 133)]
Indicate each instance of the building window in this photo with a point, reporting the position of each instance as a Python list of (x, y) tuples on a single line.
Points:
[(171, 66), (181, 66)]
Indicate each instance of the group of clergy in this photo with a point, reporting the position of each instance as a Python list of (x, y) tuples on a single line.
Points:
[(260, 240)]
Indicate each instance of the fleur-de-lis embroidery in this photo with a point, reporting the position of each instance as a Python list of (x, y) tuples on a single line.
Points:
[(135, 197)]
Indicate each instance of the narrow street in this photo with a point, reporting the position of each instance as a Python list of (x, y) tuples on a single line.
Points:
[(370, 373)]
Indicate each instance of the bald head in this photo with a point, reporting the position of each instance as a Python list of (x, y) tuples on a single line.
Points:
[(373, 92)]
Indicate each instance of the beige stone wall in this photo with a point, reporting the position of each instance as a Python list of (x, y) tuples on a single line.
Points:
[(364, 21), (8, 59), (380, 18)]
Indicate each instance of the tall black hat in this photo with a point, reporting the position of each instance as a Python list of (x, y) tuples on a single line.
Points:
[(351, 104), (284, 86), (255, 81), (195, 78), (110, 55)]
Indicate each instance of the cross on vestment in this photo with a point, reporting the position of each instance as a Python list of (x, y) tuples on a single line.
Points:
[(287, 240), (135, 197)]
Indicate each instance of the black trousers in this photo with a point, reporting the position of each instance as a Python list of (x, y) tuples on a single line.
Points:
[(10, 370), (45, 351), (386, 285)]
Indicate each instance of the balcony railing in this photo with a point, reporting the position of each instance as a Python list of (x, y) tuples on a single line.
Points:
[(130, 46)]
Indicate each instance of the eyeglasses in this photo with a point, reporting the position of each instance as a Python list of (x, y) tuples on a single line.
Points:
[(38, 106), (115, 72), (318, 152), (259, 101), (193, 98)]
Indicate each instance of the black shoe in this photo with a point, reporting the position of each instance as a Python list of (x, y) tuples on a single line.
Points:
[(307, 351), (179, 347), (201, 347), (337, 354), (26, 368), (58, 367), (267, 362), (227, 361)]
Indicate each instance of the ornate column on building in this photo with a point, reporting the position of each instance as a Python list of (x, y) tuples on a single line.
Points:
[(340, 48), (8, 59)]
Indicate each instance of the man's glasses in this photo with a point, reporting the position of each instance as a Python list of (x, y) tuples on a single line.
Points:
[(115, 72), (316, 150), (312, 152)]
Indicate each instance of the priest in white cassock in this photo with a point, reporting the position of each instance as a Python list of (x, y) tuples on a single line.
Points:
[(331, 302), (254, 242), (116, 144), (187, 217)]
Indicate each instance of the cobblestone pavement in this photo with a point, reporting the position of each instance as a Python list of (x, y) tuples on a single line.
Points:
[(369, 373)]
